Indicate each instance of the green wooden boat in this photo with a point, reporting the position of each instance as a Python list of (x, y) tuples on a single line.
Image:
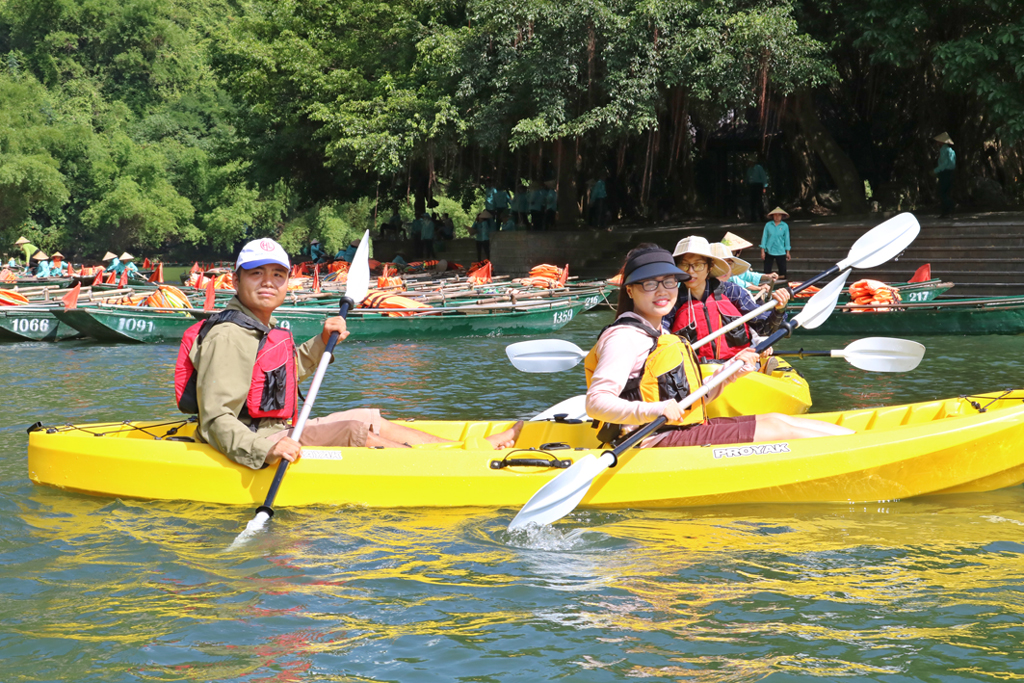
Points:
[(33, 323), (438, 323), (994, 315), (144, 325), (126, 323), (23, 282)]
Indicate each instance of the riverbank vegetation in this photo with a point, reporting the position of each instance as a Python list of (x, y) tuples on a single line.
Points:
[(182, 124)]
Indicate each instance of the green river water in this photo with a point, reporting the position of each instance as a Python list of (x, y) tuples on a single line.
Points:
[(95, 589)]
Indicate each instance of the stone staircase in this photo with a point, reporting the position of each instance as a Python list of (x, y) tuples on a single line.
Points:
[(982, 254)]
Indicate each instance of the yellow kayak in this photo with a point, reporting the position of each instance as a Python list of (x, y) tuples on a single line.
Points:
[(784, 390), (945, 446)]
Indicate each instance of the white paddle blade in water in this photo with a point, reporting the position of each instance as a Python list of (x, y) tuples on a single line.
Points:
[(820, 306), (883, 354), (561, 495), (544, 355), (882, 243), (254, 526)]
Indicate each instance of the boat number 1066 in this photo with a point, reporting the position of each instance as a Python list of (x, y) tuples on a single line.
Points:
[(30, 324), (134, 325), (562, 317)]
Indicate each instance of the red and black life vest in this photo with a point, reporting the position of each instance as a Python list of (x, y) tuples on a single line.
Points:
[(273, 390), (709, 316)]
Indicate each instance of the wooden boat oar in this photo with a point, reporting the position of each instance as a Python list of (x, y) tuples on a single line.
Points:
[(358, 284), (561, 495), (878, 245)]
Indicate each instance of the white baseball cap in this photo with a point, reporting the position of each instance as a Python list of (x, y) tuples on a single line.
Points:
[(262, 252)]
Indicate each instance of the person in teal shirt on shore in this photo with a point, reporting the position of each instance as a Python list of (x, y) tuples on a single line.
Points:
[(944, 170), (497, 201), (482, 228), (775, 242), (598, 195), (427, 236)]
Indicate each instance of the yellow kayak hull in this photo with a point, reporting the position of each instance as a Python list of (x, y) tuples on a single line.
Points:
[(942, 446), (783, 391)]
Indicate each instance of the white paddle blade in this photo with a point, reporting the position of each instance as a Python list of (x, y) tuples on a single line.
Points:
[(820, 306), (359, 273), (544, 355), (574, 408), (882, 243), (883, 354), (561, 495)]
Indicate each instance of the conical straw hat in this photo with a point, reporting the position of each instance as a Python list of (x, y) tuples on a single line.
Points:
[(125, 257), (943, 137), (735, 242), (39, 256), (21, 241), (109, 255), (723, 252), (56, 254), (779, 209)]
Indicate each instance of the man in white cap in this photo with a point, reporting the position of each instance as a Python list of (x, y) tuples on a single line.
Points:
[(944, 169), (238, 415)]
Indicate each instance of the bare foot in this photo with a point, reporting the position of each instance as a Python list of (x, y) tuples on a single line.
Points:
[(507, 438)]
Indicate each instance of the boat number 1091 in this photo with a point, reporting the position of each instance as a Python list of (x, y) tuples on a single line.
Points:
[(30, 324), (562, 317), (134, 325)]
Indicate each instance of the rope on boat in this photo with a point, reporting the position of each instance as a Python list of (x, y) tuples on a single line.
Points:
[(984, 408), (117, 428)]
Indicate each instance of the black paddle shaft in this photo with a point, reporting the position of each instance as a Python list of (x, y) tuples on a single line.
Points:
[(282, 467)]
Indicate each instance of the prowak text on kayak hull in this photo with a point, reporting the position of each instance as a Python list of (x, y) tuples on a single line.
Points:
[(954, 445)]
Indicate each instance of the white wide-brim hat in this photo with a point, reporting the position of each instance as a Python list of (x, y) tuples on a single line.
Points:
[(694, 244), (737, 264), (262, 252)]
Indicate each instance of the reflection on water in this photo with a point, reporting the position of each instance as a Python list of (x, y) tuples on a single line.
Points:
[(106, 590)]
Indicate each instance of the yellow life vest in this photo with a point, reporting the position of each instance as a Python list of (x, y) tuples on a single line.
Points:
[(671, 371)]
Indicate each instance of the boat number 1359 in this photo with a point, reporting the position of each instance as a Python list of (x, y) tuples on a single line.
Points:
[(562, 317)]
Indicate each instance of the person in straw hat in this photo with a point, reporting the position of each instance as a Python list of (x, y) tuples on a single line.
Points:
[(119, 264), (38, 259), (944, 169), (742, 272), (775, 242), (710, 301), (634, 352), (55, 267), (28, 249)]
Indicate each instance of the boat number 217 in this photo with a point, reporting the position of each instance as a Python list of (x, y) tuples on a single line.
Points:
[(562, 317)]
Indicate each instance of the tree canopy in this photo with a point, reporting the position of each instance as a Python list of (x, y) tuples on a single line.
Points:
[(181, 124)]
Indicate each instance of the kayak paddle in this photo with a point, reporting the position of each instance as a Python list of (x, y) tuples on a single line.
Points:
[(561, 495), (355, 291), (878, 245), (875, 354), (544, 355)]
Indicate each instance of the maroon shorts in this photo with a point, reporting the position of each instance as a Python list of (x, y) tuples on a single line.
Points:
[(718, 430)]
